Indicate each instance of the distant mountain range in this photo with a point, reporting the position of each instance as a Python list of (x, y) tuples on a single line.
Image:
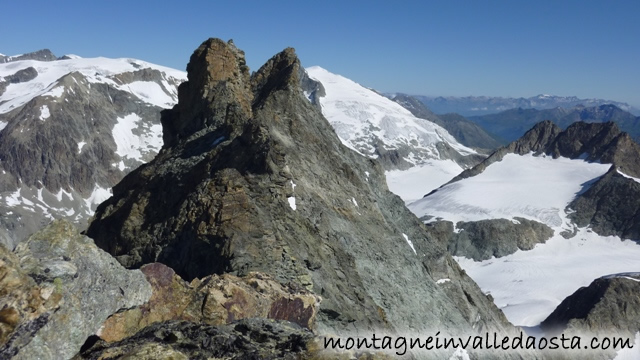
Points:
[(482, 105), (511, 124), (465, 131)]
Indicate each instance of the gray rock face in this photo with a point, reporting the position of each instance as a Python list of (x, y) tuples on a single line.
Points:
[(253, 178), (481, 240), (78, 285), (246, 339)]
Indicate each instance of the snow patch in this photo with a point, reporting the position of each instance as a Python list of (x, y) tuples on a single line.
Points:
[(292, 199), (98, 195), (44, 112), (353, 200), (292, 202), (630, 353), (56, 92), (460, 354), (13, 198), (410, 243), (81, 144), (150, 92), (413, 184)]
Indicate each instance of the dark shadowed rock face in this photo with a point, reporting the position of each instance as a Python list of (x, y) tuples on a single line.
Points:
[(609, 304), (253, 178)]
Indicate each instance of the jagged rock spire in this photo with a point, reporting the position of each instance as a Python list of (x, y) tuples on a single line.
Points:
[(218, 92)]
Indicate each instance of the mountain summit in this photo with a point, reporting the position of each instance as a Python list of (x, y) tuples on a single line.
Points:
[(253, 178)]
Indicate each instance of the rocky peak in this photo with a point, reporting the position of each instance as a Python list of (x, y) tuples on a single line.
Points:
[(537, 139), (40, 55), (280, 71), (272, 189), (217, 93), (584, 138)]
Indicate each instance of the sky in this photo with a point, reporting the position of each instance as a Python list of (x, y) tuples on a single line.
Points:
[(517, 48)]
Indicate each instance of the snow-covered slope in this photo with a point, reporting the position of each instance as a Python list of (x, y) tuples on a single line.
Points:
[(375, 125), (528, 285), (71, 129), (95, 70)]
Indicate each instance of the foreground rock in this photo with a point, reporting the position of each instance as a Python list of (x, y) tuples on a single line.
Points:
[(71, 289), (213, 300), (247, 339), (253, 178)]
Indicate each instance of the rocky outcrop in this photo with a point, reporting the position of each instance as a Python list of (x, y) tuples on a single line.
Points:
[(611, 206), (24, 306), (61, 292), (246, 339), (481, 240), (253, 178), (609, 304), (40, 55), (22, 75), (213, 300)]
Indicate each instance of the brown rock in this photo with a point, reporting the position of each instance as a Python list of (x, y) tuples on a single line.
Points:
[(214, 300), (22, 301)]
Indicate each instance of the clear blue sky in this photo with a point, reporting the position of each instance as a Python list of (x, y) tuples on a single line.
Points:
[(496, 48)]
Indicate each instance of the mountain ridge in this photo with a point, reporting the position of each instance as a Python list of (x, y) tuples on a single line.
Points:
[(512, 124), (482, 105), (71, 129)]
